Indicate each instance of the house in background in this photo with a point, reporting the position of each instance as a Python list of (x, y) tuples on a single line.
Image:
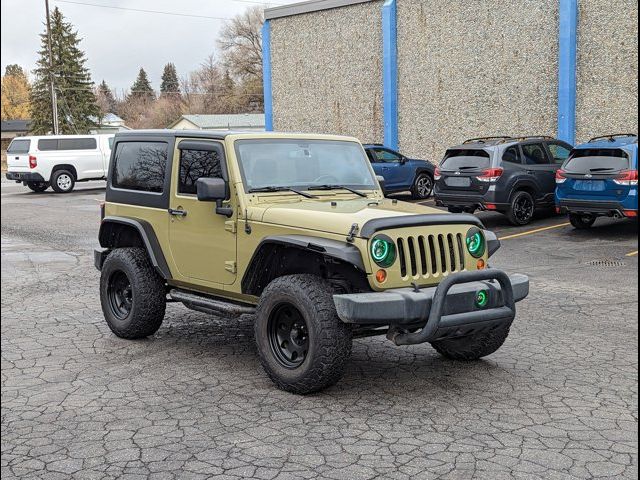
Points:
[(242, 121), (10, 130), (109, 123)]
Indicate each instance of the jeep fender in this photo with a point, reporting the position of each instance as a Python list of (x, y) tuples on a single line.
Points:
[(117, 232), (280, 255)]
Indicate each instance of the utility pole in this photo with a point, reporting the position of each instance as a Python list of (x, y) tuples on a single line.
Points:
[(54, 97)]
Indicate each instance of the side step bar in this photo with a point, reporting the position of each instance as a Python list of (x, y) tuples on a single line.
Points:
[(210, 305)]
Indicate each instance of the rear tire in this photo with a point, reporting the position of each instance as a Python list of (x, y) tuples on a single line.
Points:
[(582, 222), (422, 187), (62, 181), (302, 344), (522, 208), (38, 187), (454, 210), (132, 294), (472, 347)]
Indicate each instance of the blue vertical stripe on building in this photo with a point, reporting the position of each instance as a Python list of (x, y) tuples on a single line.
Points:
[(390, 73), (567, 70), (266, 76)]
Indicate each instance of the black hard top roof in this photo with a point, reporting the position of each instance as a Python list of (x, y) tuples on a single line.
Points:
[(213, 134)]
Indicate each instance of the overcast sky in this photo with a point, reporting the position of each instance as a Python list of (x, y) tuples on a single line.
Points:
[(118, 42)]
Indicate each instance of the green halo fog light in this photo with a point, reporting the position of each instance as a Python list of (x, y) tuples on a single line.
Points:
[(482, 298), (383, 251), (476, 243)]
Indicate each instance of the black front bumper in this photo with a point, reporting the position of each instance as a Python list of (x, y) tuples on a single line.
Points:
[(596, 208), (24, 177), (446, 311)]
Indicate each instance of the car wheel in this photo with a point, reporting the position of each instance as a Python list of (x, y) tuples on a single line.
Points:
[(38, 186), (582, 222), (474, 346), (132, 294), (303, 345), (454, 210), (62, 181), (422, 187), (522, 208)]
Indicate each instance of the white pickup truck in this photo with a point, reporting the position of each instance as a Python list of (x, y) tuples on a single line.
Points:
[(58, 161)]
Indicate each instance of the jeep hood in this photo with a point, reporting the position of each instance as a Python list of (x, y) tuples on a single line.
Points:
[(321, 215)]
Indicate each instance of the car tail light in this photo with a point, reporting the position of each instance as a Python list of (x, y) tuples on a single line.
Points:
[(33, 161), (560, 177), (630, 213), (491, 175), (627, 177), (490, 206), (437, 174)]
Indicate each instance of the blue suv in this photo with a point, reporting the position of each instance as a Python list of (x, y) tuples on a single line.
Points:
[(600, 178), (401, 174)]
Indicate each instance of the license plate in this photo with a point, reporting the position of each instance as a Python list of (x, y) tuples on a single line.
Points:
[(590, 185), (458, 181)]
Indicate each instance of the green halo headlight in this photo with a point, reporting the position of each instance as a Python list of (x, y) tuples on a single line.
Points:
[(482, 298), (383, 251), (476, 243)]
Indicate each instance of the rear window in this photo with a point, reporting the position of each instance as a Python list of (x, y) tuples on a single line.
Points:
[(466, 159), (19, 146), (140, 166), (50, 144), (596, 160)]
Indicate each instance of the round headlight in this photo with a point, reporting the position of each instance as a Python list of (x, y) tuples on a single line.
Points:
[(476, 243), (383, 251)]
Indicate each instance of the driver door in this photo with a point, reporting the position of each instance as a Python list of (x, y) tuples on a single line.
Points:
[(203, 244), (392, 167)]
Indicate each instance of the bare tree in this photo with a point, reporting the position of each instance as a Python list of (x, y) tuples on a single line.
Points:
[(241, 44)]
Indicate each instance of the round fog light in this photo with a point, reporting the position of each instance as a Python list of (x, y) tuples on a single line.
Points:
[(482, 299)]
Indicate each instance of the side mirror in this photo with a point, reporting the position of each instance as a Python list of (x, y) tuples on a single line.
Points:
[(214, 190), (403, 160), (382, 183)]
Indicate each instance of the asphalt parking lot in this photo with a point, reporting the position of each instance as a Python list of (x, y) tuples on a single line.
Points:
[(558, 401)]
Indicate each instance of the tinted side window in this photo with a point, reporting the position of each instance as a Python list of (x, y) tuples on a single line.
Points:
[(195, 164), (140, 166), (385, 156), (48, 144), (512, 155), (19, 146), (534, 154), (77, 144), (560, 153)]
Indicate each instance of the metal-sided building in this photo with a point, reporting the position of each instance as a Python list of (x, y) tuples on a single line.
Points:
[(421, 75)]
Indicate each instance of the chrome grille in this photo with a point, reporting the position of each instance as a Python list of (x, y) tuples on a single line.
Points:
[(429, 256)]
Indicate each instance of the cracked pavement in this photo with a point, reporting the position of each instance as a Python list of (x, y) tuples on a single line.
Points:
[(558, 401)]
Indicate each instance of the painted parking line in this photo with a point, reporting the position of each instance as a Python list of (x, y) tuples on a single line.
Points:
[(633, 254), (537, 230)]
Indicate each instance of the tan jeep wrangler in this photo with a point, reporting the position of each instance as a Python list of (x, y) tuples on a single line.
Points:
[(293, 229)]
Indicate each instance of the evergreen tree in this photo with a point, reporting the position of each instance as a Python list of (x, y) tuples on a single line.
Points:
[(15, 70), (142, 89), (170, 83), (71, 78), (106, 100)]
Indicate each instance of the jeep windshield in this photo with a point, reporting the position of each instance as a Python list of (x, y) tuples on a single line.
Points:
[(281, 164), (597, 160), (465, 159)]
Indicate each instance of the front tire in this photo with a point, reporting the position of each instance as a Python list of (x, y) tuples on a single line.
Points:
[(132, 294), (37, 187), (522, 208), (582, 222), (472, 347), (62, 181), (422, 187), (302, 344)]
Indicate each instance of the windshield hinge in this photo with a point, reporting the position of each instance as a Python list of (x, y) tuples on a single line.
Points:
[(355, 228), (230, 226), (230, 266)]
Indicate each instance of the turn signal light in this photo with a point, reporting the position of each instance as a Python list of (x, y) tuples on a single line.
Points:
[(491, 175), (381, 276), (560, 178), (33, 161), (481, 265), (627, 177)]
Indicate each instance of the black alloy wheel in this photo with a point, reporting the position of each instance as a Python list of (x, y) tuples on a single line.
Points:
[(120, 295), (288, 336)]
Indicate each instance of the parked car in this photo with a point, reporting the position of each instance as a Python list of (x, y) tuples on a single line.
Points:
[(58, 161), (401, 174), (295, 230), (514, 176), (600, 178)]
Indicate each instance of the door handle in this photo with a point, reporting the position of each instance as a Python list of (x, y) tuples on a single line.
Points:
[(177, 213)]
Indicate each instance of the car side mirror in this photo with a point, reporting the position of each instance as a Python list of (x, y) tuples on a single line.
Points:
[(214, 190), (382, 183), (403, 160)]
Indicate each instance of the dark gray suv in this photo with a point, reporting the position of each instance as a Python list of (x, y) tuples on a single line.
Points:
[(514, 176)]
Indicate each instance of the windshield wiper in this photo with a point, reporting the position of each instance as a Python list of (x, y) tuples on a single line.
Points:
[(338, 187), (281, 189)]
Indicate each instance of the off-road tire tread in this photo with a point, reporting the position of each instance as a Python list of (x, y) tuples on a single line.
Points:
[(335, 339), (510, 213), (149, 294), (472, 347)]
